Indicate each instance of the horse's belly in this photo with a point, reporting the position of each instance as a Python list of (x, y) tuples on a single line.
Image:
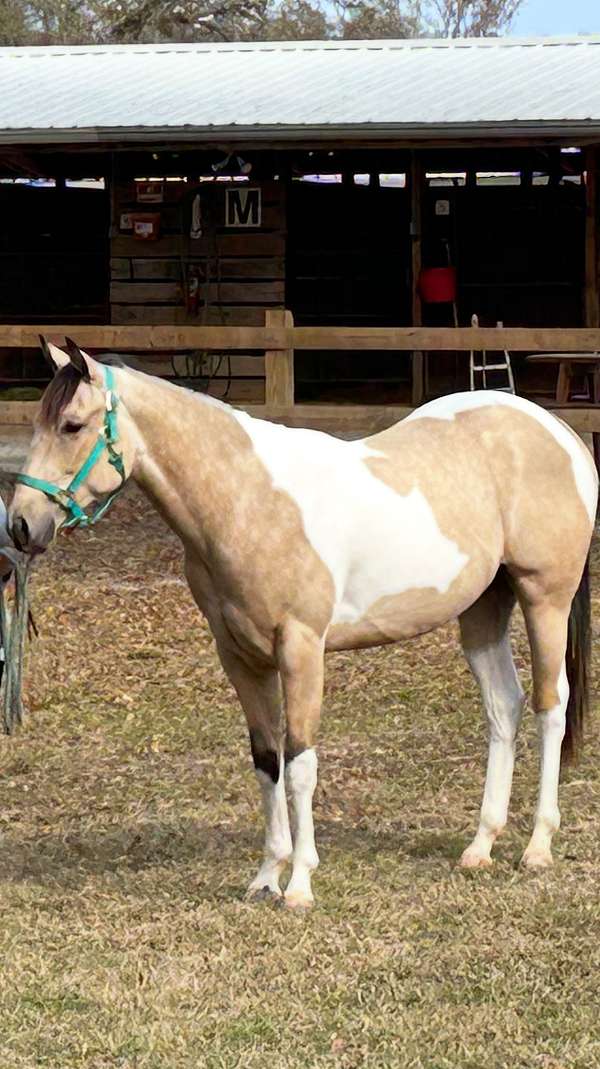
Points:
[(410, 609)]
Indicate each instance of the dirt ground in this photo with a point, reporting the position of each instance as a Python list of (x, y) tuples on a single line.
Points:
[(130, 827)]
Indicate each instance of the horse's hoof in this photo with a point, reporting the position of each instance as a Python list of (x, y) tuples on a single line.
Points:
[(262, 894), (536, 859), (472, 860), (298, 902)]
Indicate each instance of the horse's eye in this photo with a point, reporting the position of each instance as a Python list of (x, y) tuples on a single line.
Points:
[(72, 428)]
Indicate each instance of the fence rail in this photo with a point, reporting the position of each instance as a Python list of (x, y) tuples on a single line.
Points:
[(279, 338), (281, 334)]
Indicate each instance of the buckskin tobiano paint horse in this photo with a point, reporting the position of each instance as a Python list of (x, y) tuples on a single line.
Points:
[(297, 543)]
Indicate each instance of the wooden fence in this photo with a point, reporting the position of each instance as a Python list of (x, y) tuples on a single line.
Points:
[(279, 338)]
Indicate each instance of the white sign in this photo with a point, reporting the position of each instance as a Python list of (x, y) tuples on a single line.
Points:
[(442, 207), (243, 206)]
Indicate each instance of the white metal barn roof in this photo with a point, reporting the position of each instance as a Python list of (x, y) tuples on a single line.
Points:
[(419, 88)]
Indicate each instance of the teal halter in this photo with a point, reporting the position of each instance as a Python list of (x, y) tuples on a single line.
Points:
[(78, 517)]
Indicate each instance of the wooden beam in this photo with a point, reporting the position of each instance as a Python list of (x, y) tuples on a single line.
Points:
[(145, 293), (18, 413), (592, 239), (164, 315), (139, 338), (259, 292), (351, 421), (259, 267), (249, 243), (354, 420), (279, 365), (450, 339), (214, 338)]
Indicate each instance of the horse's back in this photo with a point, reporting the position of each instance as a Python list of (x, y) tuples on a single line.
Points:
[(494, 445)]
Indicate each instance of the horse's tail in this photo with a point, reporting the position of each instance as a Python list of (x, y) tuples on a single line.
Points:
[(578, 657)]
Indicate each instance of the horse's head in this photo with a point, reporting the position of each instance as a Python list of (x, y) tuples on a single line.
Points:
[(80, 451)]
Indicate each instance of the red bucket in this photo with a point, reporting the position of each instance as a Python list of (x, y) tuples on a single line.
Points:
[(437, 285)]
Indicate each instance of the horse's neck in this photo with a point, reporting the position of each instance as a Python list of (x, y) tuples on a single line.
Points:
[(190, 460)]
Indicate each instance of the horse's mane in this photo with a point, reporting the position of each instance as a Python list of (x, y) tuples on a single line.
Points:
[(59, 393), (62, 389)]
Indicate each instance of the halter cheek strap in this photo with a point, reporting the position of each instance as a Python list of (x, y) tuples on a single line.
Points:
[(76, 516)]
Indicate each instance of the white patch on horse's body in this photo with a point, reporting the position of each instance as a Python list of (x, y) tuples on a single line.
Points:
[(375, 542), (583, 468)]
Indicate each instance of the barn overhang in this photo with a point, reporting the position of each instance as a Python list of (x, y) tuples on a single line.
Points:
[(364, 135)]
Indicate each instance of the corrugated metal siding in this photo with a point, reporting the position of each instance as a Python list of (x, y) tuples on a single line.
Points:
[(390, 84)]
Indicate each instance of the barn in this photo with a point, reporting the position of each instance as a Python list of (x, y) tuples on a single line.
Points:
[(306, 228)]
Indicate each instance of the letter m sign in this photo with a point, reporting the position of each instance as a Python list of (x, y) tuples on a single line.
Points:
[(242, 206)]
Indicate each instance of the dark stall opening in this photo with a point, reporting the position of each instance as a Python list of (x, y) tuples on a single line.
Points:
[(518, 250), (54, 261), (348, 264)]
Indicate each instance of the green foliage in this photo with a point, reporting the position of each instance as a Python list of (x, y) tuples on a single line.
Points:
[(13, 28), (179, 20), (296, 20), (24, 22), (363, 19), (468, 18)]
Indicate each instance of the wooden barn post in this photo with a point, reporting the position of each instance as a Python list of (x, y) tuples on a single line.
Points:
[(279, 364), (416, 180)]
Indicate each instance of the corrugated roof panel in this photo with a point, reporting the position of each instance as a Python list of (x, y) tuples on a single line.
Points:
[(389, 84)]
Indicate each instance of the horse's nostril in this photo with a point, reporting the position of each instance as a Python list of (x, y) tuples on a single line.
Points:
[(20, 532)]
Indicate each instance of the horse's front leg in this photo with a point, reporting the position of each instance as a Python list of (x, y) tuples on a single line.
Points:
[(258, 689), (300, 657)]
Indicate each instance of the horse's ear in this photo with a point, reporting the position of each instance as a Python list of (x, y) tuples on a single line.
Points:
[(55, 356), (90, 370), (79, 360)]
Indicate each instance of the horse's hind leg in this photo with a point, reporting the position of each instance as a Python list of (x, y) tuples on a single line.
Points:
[(301, 657), (546, 618), (259, 692), (486, 644)]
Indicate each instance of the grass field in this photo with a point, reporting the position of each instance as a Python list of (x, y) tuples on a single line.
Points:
[(130, 827)]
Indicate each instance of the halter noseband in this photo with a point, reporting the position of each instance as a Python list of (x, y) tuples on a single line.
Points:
[(78, 517)]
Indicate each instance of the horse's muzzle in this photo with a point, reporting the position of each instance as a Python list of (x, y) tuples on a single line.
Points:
[(28, 540)]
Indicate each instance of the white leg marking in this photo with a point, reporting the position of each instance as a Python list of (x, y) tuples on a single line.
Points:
[(502, 695), (278, 839), (301, 776), (551, 730)]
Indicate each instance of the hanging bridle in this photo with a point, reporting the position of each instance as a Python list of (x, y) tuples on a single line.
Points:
[(108, 436)]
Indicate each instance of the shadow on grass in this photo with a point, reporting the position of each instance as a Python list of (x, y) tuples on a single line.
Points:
[(69, 860)]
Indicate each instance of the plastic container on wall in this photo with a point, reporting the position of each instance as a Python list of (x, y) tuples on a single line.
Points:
[(437, 285)]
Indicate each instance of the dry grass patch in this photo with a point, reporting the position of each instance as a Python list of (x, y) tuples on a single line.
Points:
[(130, 829)]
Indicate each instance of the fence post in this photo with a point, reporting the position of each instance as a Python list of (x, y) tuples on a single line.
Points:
[(279, 364)]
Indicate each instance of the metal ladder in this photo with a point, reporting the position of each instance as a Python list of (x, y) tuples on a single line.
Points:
[(484, 367)]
